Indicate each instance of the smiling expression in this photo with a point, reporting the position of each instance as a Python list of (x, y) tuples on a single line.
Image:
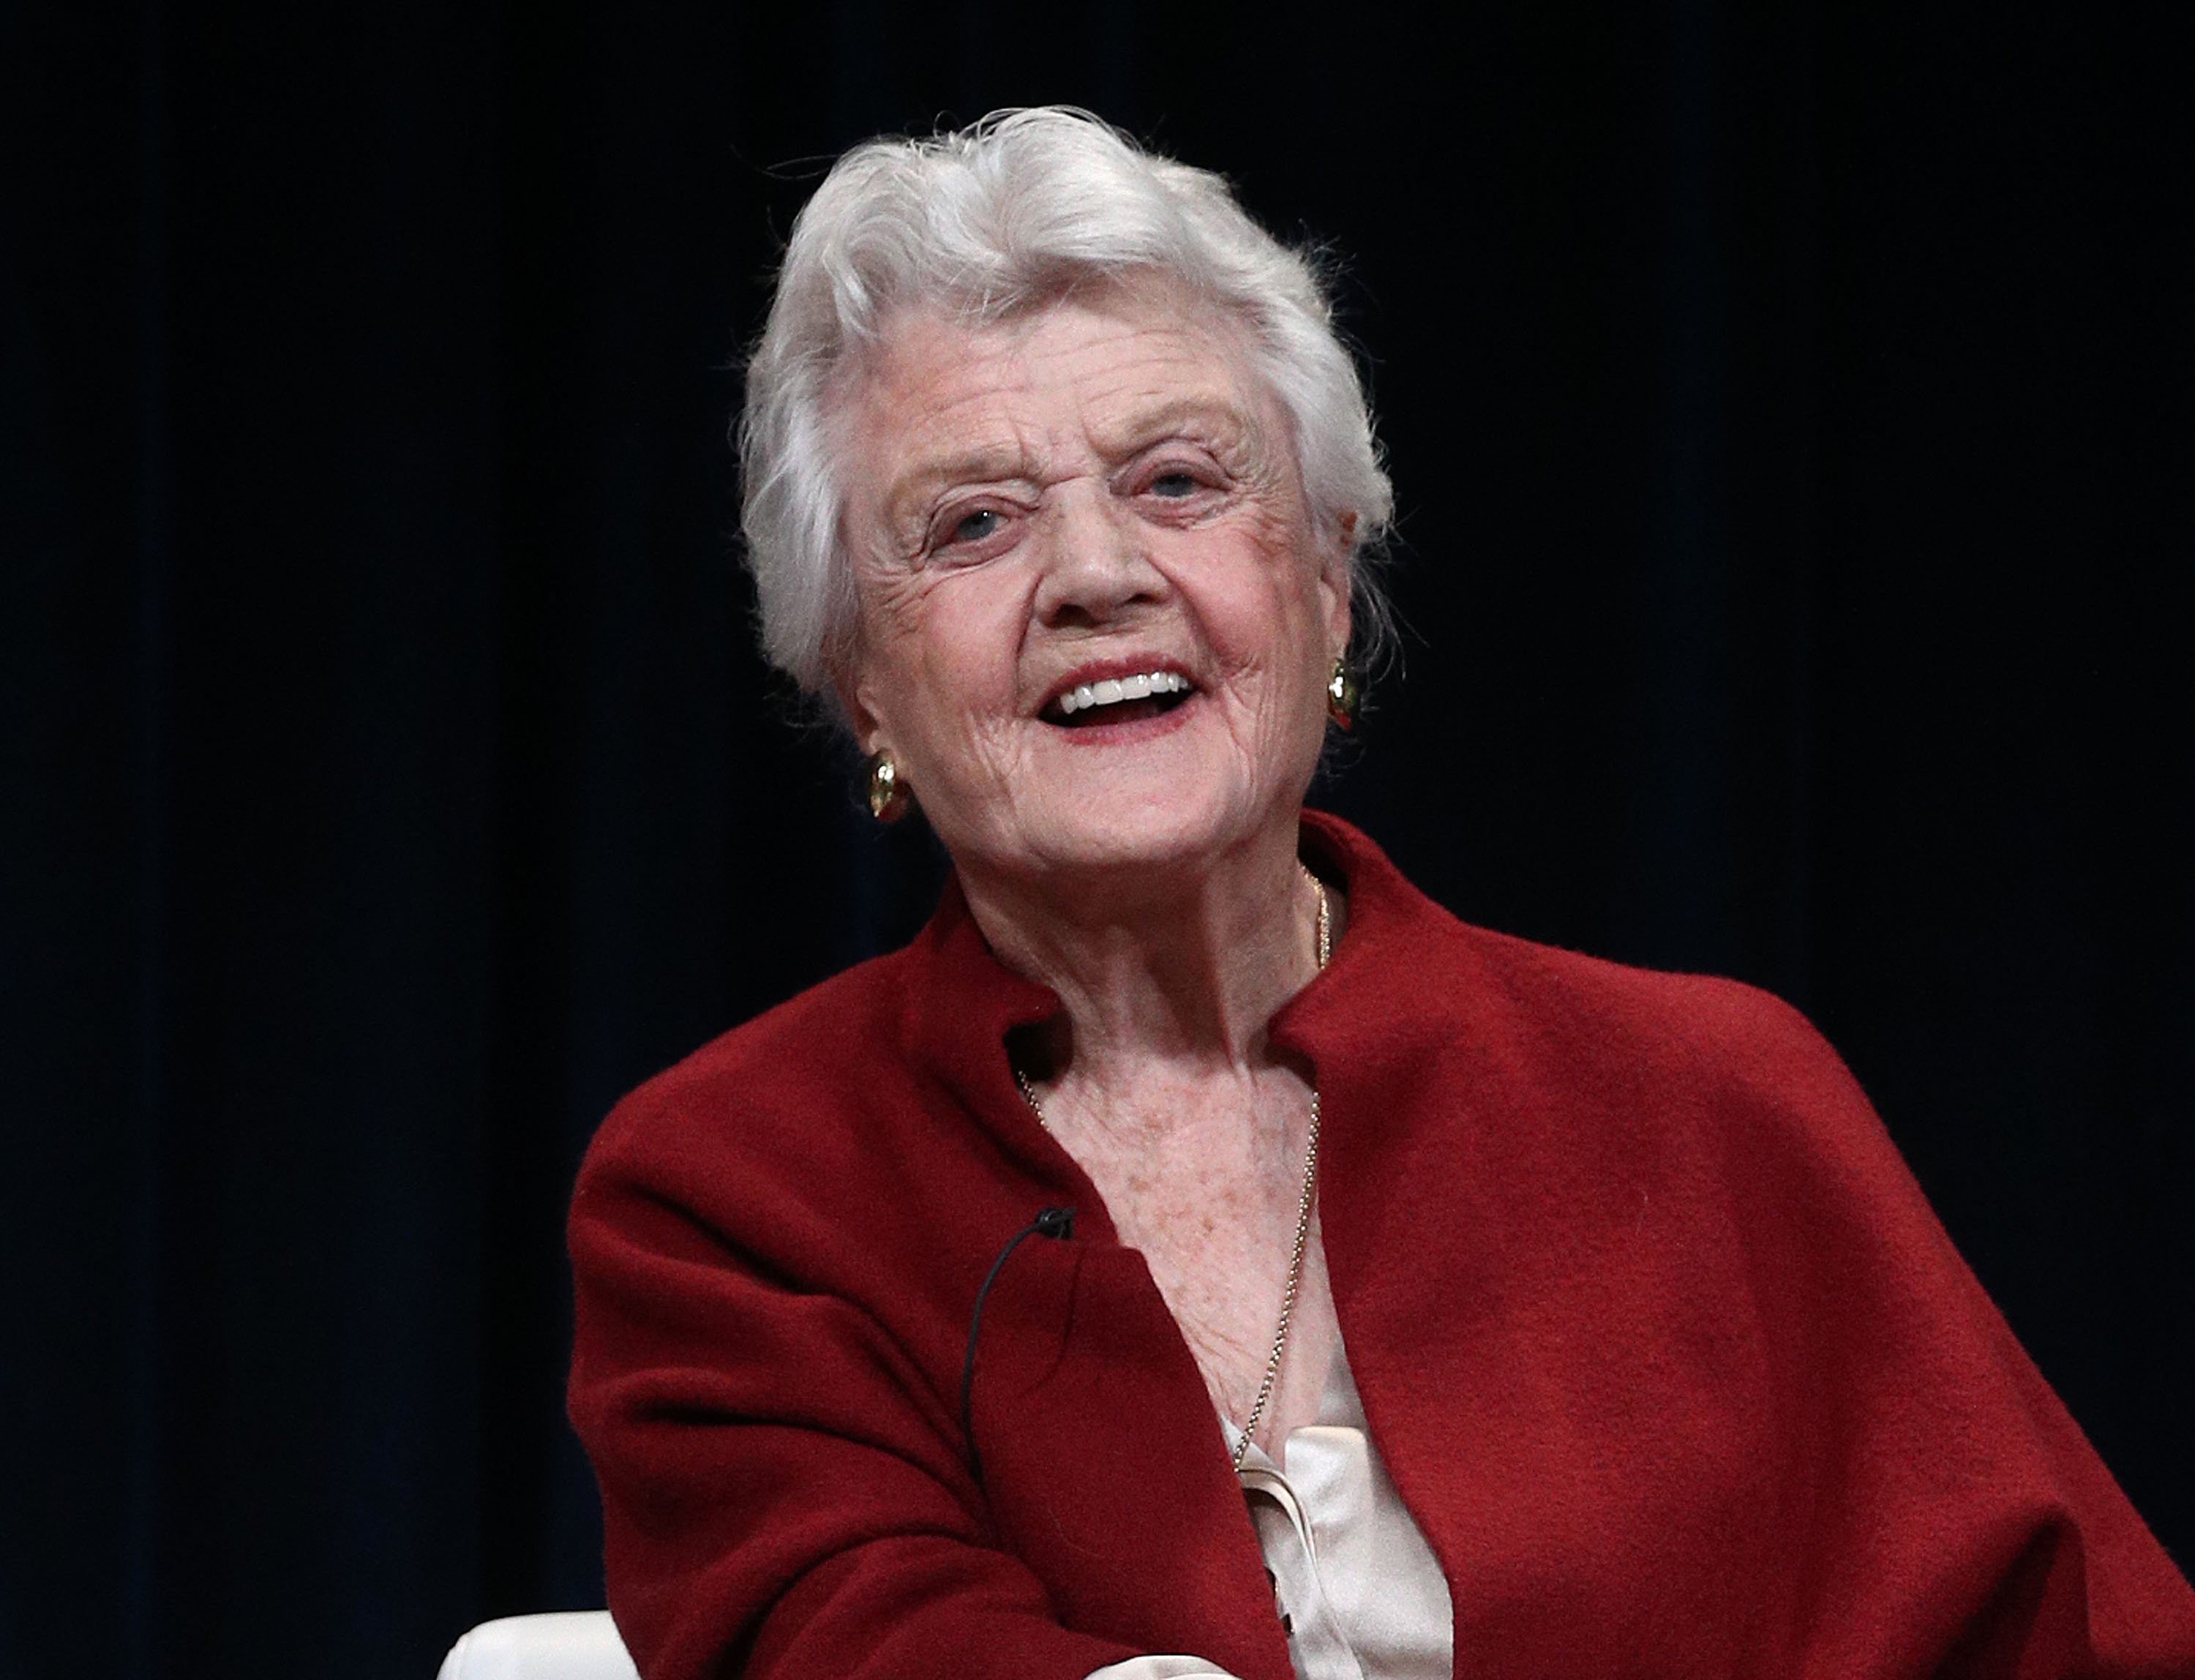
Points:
[(1094, 621)]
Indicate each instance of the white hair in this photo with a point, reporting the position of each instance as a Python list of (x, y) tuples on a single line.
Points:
[(985, 223)]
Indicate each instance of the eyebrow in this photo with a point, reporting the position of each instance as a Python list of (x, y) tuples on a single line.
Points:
[(1145, 427), (905, 502), (984, 464)]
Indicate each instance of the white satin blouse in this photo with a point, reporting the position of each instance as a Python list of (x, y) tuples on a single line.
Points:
[(1354, 1582)]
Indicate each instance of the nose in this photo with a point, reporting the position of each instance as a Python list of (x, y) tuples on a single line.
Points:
[(1096, 566)]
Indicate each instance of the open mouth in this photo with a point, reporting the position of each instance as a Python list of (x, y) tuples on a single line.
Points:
[(1118, 700)]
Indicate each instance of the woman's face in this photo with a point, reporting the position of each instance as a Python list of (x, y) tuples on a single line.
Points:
[(1098, 493)]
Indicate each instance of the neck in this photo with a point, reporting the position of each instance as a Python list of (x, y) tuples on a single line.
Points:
[(1181, 966)]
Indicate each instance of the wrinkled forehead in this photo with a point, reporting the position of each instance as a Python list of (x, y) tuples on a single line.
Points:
[(1138, 297), (1188, 352)]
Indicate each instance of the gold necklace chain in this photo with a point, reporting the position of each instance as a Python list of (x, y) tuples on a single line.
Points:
[(1305, 1202)]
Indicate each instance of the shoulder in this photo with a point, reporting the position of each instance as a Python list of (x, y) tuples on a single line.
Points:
[(1720, 1091), (762, 1095), (1696, 1113), (1600, 1016), (1421, 981), (1553, 1060)]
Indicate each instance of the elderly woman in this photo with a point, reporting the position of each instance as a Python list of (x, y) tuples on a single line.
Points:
[(1198, 1254)]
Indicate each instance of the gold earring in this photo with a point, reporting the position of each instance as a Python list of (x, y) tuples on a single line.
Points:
[(888, 795), (1344, 695)]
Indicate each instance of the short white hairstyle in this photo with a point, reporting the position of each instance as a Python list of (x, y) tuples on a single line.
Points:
[(986, 222)]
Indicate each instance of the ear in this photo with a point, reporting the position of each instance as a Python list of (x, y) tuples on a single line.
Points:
[(1333, 581), (857, 694), (856, 700)]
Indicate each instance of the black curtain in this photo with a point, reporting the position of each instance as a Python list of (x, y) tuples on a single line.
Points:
[(1792, 407)]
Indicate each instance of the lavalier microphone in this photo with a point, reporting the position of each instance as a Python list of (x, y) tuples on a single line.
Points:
[(1056, 1223)]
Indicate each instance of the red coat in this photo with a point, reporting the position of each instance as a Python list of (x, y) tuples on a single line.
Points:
[(1662, 1345)]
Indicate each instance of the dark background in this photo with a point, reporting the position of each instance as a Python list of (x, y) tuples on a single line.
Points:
[(1792, 407)]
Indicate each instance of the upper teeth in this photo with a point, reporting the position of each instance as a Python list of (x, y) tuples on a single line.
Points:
[(1114, 688)]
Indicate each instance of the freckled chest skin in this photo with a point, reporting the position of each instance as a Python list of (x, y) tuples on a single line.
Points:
[(1096, 482), (1211, 1201)]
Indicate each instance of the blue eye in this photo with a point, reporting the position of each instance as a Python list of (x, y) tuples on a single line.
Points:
[(1174, 485), (974, 526)]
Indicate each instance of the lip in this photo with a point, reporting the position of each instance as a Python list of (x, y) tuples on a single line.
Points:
[(1101, 670), (1131, 732)]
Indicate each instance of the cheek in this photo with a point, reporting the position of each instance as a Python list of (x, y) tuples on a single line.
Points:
[(893, 652), (893, 608), (942, 653), (1266, 614)]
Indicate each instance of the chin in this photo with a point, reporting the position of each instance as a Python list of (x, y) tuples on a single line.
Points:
[(1159, 831)]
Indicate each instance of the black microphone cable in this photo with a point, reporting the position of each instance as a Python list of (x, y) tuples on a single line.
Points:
[(1056, 1223)]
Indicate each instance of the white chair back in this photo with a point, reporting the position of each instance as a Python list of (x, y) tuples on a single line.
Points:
[(566, 1645)]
